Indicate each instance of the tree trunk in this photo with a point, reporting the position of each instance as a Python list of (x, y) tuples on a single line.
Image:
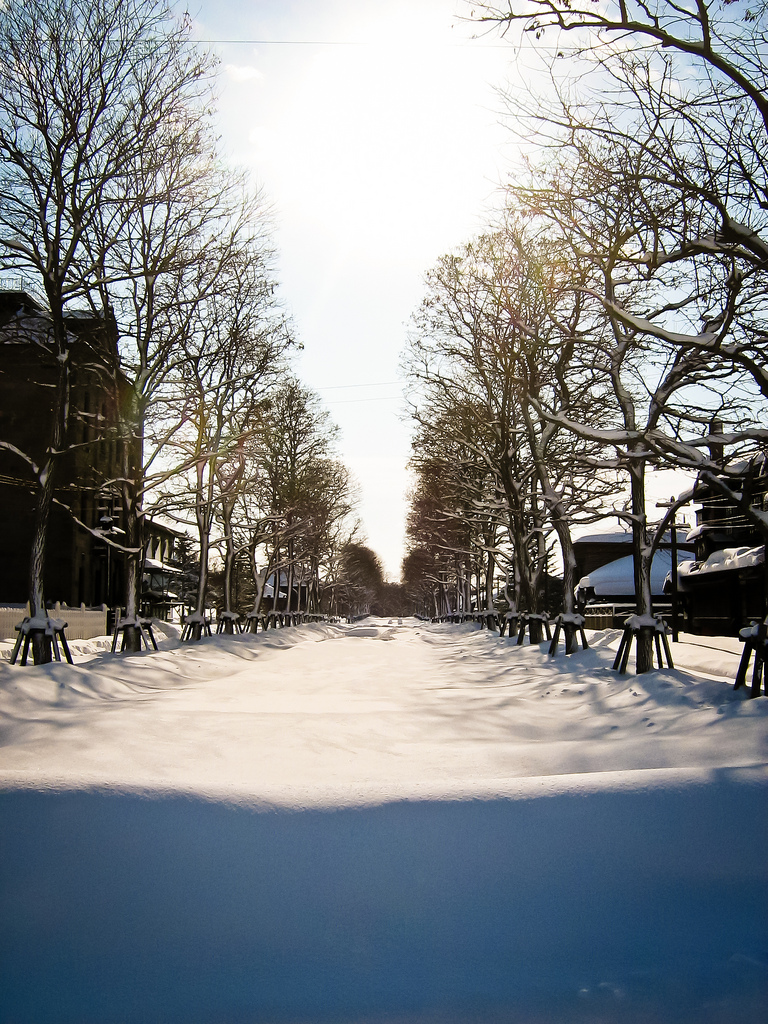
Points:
[(133, 577), (524, 587), (260, 578), (202, 586), (490, 569), (132, 443), (569, 583), (276, 580), (41, 642), (229, 551), (315, 580), (204, 505), (289, 582), (511, 595), (641, 551)]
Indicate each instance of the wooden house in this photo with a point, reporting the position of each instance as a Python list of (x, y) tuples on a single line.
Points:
[(80, 567)]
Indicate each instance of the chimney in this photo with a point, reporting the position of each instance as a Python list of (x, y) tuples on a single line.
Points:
[(717, 448)]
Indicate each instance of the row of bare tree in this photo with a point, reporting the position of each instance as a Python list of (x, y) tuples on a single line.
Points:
[(113, 197), (616, 310)]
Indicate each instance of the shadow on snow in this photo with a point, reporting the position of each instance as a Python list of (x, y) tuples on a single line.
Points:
[(640, 905)]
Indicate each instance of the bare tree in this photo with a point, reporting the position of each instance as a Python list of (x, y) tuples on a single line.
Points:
[(205, 326), (363, 578), (501, 331), (659, 391), (730, 41), (302, 492), (159, 261), (681, 117), (230, 355), (421, 581), (449, 515), (84, 89), (657, 172)]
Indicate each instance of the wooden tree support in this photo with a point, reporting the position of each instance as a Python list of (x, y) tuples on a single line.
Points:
[(229, 623), (508, 621), (488, 617), (529, 619), (29, 628), (144, 627), (569, 625), (283, 619), (634, 629), (755, 639), (195, 626)]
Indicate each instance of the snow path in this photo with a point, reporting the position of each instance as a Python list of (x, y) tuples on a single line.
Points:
[(382, 825), (333, 715)]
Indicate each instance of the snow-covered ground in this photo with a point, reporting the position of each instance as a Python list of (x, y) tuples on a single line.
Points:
[(382, 822)]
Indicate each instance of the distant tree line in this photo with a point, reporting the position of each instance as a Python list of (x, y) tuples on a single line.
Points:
[(613, 319)]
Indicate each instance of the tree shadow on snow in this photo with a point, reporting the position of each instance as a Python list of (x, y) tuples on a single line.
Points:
[(621, 906)]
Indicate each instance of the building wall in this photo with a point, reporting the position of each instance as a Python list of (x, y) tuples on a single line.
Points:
[(78, 568), (597, 550)]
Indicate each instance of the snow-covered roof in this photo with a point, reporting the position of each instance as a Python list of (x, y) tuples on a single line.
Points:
[(725, 560), (617, 578), (167, 525), (619, 537), (22, 327), (82, 314), (153, 565)]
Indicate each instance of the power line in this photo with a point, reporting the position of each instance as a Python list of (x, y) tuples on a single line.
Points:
[(374, 384), (283, 42), (354, 401), (347, 42)]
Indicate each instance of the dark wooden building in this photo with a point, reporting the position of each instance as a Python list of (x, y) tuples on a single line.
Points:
[(595, 550), (725, 588), (80, 568), (168, 586), (719, 523)]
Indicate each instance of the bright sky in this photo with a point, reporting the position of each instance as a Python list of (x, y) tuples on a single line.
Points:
[(373, 126)]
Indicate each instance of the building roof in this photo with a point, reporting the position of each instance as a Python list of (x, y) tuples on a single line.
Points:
[(617, 578), (617, 537)]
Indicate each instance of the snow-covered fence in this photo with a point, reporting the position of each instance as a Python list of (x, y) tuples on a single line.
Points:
[(613, 616), (82, 623), (601, 616)]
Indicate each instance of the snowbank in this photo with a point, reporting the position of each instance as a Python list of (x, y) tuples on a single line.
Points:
[(382, 823)]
